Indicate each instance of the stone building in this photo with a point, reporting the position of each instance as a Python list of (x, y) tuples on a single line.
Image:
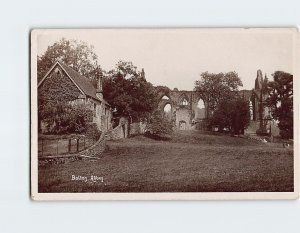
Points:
[(65, 81), (260, 114), (186, 107)]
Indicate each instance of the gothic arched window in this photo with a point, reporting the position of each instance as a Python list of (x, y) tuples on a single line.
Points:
[(184, 102)]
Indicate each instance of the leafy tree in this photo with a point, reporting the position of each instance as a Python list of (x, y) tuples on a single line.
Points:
[(213, 88), (233, 114), (280, 101), (76, 54), (159, 125), (128, 92)]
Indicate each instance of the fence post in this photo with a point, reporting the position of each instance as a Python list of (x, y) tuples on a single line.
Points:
[(57, 147), (70, 145), (77, 149), (42, 147)]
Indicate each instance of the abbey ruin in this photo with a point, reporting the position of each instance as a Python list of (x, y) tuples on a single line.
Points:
[(189, 111)]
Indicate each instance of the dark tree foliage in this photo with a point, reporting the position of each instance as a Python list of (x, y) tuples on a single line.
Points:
[(64, 118), (214, 88), (159, 124), (280, 101), (76, 54), (128, 92), (233, 114)]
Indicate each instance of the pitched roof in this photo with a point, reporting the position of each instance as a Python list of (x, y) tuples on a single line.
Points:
[(83, 83)]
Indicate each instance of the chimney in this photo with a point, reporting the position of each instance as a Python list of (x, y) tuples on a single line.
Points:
[(99, 91)]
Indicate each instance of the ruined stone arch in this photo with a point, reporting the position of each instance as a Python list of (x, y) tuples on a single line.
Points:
[(199, 115), (163, 91), (160, 93), (162, 104)]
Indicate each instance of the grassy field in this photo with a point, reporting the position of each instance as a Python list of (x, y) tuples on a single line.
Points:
[(190, 162)]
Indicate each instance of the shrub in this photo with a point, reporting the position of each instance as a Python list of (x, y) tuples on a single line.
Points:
[(286, 134), (66, 119), (158, 125)]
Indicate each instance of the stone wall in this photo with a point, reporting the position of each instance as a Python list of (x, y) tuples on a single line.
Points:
[(124, 130), (183, 118), (119, 132), (137, 128), (254, 126)]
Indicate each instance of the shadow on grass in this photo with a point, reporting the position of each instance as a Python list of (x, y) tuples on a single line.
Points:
[(158, 137)]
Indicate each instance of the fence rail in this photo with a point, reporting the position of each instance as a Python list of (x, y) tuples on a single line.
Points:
[(63, 146)]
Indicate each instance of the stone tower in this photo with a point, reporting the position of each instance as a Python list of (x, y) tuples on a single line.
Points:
[(258, 80)]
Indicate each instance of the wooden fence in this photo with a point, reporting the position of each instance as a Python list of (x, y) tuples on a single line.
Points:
[(61, 146)]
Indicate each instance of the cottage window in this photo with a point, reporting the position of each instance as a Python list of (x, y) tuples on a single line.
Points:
[(58, 73)]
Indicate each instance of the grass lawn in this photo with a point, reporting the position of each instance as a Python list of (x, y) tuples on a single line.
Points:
[(190, 162)]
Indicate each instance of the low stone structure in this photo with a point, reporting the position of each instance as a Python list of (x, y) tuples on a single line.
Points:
[(120, 131), (137, 128)]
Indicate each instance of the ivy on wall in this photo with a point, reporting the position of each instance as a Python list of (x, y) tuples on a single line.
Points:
[(57, 88), (55, 111)]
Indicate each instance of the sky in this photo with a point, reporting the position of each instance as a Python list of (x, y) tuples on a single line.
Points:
[(176, 57)]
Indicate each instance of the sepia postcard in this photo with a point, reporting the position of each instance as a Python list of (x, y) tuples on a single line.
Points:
[(165, 114)]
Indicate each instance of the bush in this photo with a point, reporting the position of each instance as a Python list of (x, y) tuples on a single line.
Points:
[(159, 126), (66, 119), (286, 134)]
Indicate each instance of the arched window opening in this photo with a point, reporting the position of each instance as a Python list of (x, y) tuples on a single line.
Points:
[(251, 109), (184, 102), (168, 111), (182, 125), (200, 110), (165, 97)]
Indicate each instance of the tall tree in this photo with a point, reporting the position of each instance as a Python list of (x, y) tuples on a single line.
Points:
[(280, 101), (76, 54), (213, 88), (233, 114), (128, 91)]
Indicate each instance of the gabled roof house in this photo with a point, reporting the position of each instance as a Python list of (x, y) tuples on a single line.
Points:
[(84, 90)]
